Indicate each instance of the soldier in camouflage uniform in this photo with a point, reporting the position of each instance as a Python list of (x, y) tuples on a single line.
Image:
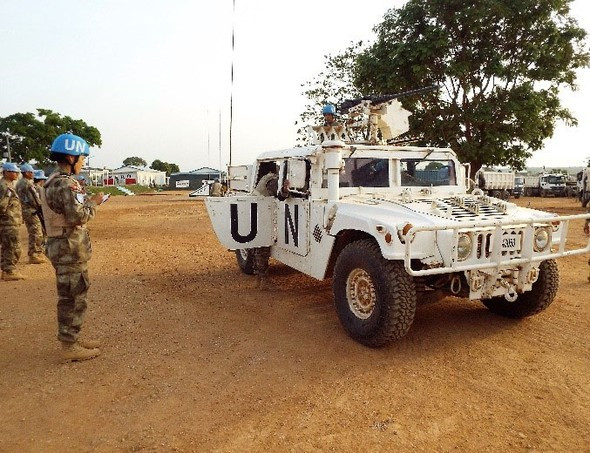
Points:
[(66, 210), (587, 231), (31, 206), (267, 186), (10, 221)]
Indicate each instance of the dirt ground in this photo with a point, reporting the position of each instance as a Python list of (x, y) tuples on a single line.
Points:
[(195, 359)]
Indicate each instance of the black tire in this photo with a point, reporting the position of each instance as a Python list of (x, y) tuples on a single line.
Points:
[(245, 259), (389, 312), (532, 302)]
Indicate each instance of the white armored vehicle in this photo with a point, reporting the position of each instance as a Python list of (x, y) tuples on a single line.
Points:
[(391, 225)]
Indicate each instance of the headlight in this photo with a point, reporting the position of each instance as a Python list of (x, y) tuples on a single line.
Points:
[(542, 239), (464, 246)]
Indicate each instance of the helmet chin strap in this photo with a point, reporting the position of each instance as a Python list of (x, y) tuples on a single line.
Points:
[(76, 159)]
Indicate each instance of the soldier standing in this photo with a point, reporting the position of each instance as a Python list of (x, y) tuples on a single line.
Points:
[(31, 206), (267, 186), (587, 231), (66, 210), (10, 221), (216, 189)]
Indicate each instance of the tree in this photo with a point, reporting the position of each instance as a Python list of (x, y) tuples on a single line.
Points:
[(135, 161), (31, 134), (500, 66), (164, 166)]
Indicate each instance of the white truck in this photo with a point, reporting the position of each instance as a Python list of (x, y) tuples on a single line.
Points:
[(391, 226), (545, 185), (496, 184), (583, 179)]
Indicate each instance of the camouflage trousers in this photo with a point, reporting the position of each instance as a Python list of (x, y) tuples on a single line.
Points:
[(261, 257), (10, 248), (36, 236), (72, 288)]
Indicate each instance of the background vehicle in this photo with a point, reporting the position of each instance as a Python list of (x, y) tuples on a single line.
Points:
[(496, 183), (518, 186), (583, 178), (545, 185)]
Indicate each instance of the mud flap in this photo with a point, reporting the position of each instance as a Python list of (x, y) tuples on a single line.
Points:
[(243, 222)]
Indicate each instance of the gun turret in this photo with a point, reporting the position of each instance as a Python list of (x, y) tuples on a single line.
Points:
[(376, 100)]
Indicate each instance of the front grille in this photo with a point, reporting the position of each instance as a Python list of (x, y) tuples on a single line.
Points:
[(484, 243)]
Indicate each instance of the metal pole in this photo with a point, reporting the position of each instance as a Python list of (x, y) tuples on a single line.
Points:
[(8, 147)]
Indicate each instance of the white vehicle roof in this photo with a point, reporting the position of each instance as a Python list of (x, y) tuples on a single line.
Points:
[(306, 151)]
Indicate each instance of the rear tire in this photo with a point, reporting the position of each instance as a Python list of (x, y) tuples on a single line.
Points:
[(245, 258), (375, 298), (532, 302)]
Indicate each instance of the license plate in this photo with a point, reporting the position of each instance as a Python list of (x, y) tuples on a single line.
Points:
[(510, 243)]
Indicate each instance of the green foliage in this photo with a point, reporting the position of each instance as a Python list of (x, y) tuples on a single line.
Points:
[(164, 166), (135, 161), (331, 86), (31, 134), (500, 66)]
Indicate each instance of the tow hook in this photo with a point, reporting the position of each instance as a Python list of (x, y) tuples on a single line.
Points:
[(511, 295), (456, 285)]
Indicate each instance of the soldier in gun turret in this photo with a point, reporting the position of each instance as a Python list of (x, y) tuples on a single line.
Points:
[(329, 112), (31, 208)]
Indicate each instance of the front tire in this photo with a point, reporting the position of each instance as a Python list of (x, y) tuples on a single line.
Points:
[(532, 302), (375, 298), (245, 258)]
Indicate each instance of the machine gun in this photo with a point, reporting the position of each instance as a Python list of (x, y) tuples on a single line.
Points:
[(379, 119), (377, 100)]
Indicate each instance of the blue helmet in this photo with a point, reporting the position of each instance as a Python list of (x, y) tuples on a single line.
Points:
[(70, 144), (329, 109), (26, 168), (39, 174), (10, 166)]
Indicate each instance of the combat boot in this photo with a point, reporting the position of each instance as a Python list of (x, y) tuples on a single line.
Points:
[(88, 343), (37, 259), (71, 352), (11, 276)]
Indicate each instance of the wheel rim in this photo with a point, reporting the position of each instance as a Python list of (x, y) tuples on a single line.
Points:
[(360, 293)]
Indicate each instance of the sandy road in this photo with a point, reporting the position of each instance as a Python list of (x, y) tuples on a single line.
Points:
[(196, 360)]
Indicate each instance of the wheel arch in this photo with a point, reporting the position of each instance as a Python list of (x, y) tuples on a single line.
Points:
[(343, 238)]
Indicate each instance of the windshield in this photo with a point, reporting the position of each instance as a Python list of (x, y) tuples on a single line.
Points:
[(555, 179), (418, 172), (519, 181), (365, 172)]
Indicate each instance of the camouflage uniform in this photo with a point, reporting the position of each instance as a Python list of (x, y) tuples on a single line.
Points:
[(67, 210), (31, 206), (267, 186), (587, 230), (10, 221)]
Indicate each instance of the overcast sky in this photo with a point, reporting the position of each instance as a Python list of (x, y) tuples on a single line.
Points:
[(154, 76)]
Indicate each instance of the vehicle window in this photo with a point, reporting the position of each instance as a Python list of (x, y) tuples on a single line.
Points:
[(555, 179), (418, 172), (365, 172)]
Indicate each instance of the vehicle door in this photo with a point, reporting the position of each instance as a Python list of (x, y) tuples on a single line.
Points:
[(293, 213), (243, 221)]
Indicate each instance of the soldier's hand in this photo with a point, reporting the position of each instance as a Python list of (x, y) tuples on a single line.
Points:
[(97, 198)]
